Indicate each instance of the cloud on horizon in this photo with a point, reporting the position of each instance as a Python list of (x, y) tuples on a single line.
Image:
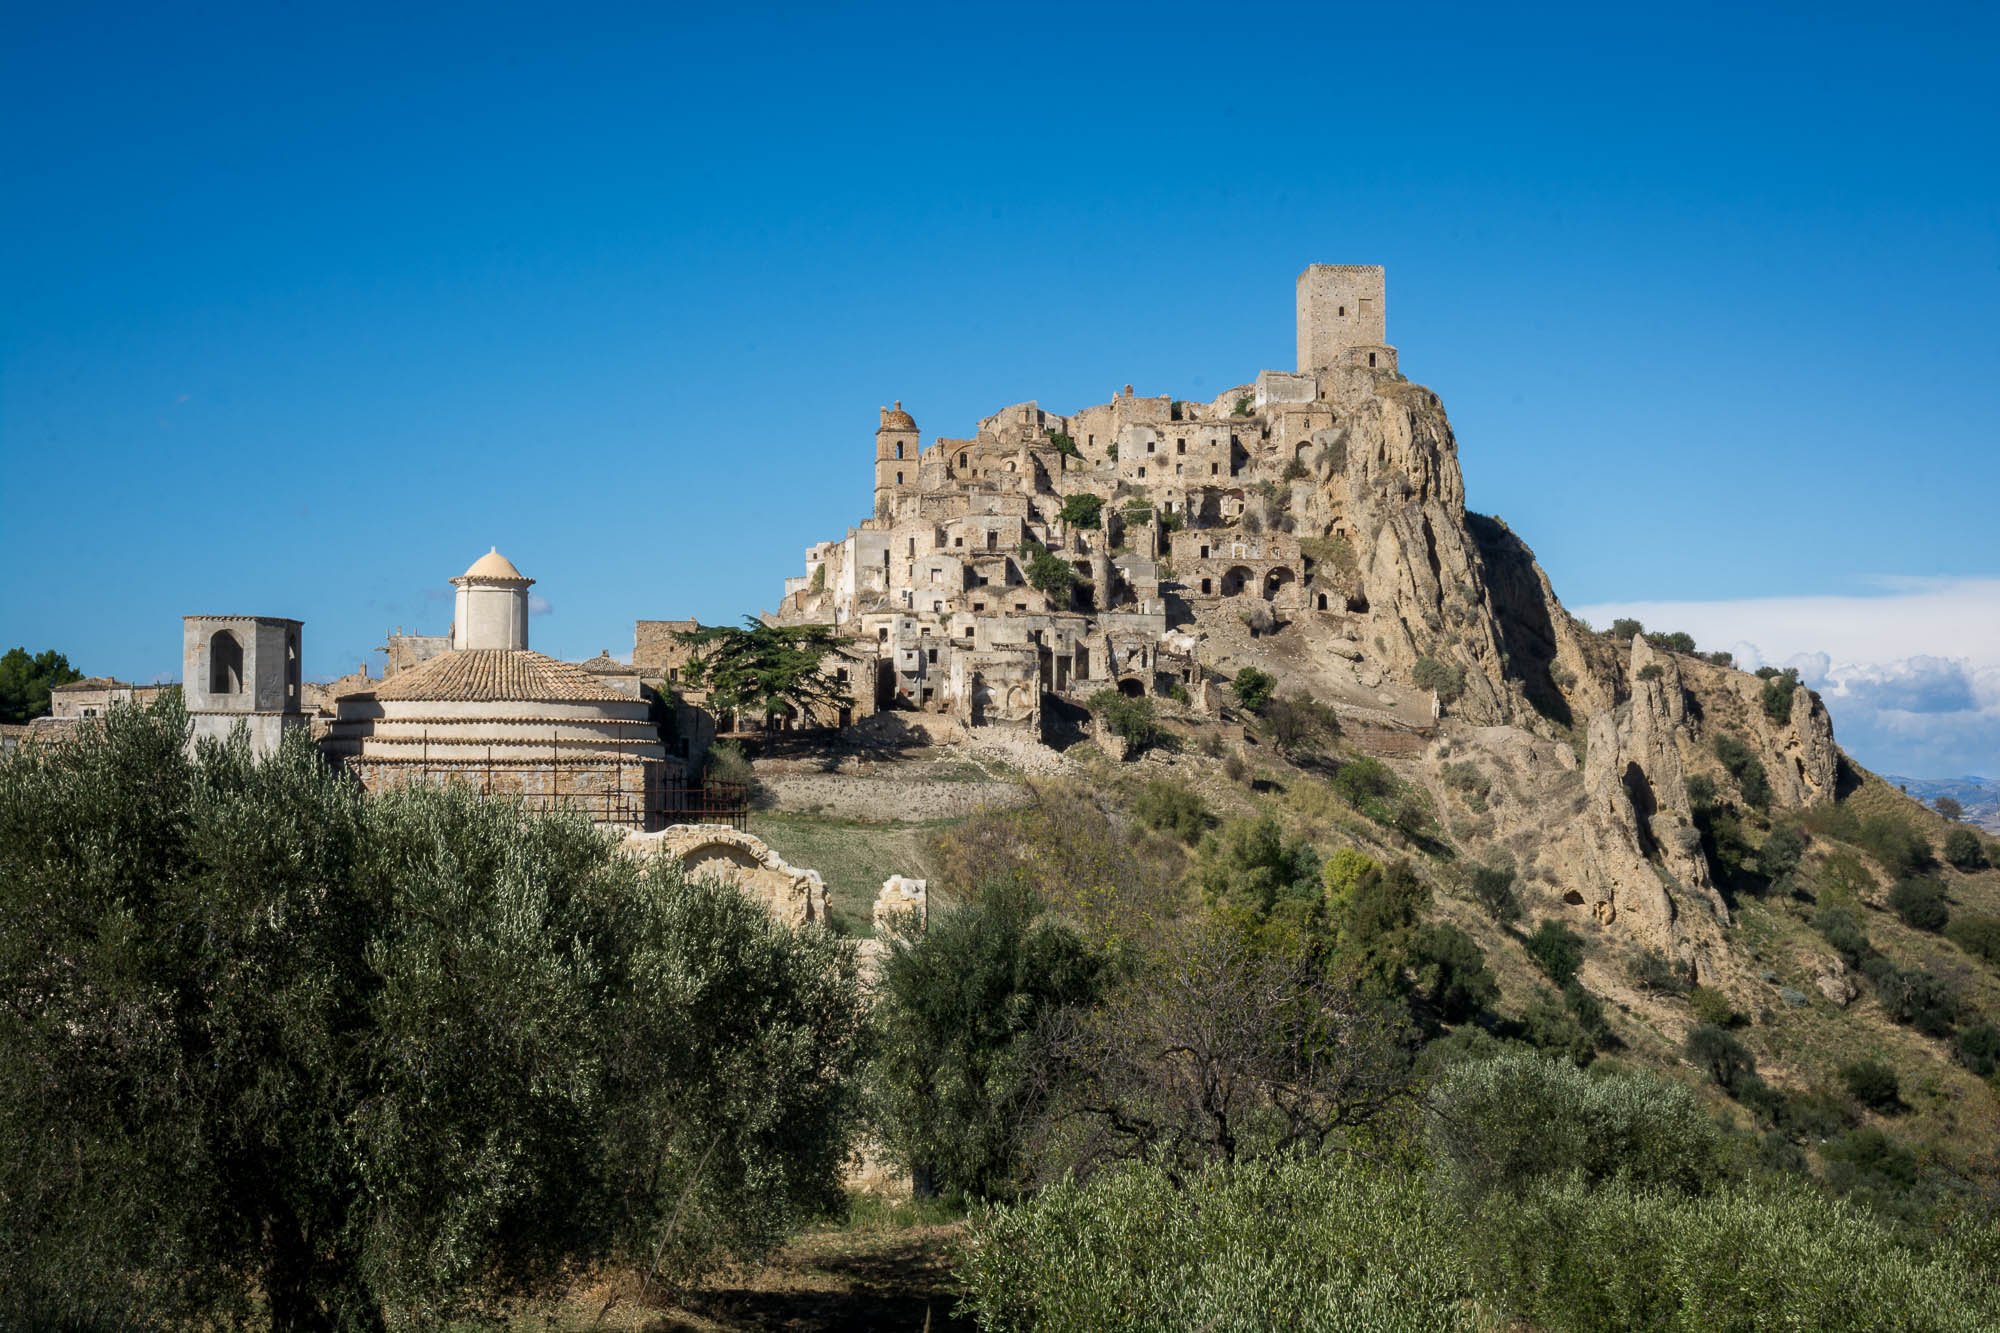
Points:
[(1910, 671)]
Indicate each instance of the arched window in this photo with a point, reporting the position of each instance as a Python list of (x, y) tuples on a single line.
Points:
[(899, 451), (225, 663), (292, 664)]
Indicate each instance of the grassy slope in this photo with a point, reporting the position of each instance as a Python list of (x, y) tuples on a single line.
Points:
[(853, 858)]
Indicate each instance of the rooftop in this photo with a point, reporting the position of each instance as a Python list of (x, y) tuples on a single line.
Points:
[(485, 675)]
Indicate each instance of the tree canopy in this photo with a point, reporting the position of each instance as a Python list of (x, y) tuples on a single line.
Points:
[(771, 671), (266, 1045), (25, 682)]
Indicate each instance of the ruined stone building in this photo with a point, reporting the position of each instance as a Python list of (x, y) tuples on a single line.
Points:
[(1160, 511)]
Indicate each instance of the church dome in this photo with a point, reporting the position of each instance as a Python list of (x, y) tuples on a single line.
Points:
[(895, 418), (494, 565)]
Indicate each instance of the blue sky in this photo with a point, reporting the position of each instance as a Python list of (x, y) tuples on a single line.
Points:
[(300, 312)]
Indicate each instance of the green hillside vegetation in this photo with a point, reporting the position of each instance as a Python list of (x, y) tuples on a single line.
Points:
[(1239, 1035)]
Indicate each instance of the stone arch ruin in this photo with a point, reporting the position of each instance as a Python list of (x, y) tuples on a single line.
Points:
[(716, 851)]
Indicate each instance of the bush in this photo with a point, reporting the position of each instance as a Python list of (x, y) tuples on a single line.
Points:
[(1977, 935), (1874, 1085), (1784, 847), (1082, 511), (1656, 974), (1131, 720), (956, 1015), (266, 1045), (1675, 641), (1506, 1123), (1047, 572), (1778, 693), (1898, 848), (1172, 808), (1557, 950), (1920, 902), (1914, 996), (1721, 1056), (1446, 680), (1492, 887), (1869, 1159), (1978, 1049), (1626, 629), (1448, 973), (1298, 1243), (1369, 786), (1260, 878), (1253, 688), (1963, 850), (1713, 1007), (1842, 929), (1746, 768), (1297, 722)]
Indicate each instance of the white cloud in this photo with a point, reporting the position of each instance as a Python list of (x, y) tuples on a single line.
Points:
[(539, 605), (1910, 672)]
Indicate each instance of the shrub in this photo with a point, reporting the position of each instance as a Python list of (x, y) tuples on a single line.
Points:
[(1784, 847), (1253, 688), (1914, 996), (1713, 1007), (1549, 1024), (1920, 901), (1674, 641), (1445, 679), (1492, 887), (1557, 950), (1778, 693), (1257, 875), (1948, 807), (1298, 721), (1874, 1085), (1651, 671), (1746, 768), (1721, 1056), (1898, 848), (1131, 720), (1978, 1049), (1656, 974), (1367, 784), (1063, 445), (1297, 1243), (1869, 1159), (1172, 808), (1082, 511), (1046, 571), (1294, 471), (1962, 849), (956, 1013), (1626, 628), (1977, 935), (1843, 931), (1449, 973), (1506, 1123)]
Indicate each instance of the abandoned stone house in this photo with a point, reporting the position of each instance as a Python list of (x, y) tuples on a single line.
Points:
[(1191, 515)]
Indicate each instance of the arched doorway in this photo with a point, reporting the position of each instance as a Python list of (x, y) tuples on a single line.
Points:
[(225, 663), (1235, 579)]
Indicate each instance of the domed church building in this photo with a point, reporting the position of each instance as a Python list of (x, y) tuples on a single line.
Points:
[(506, 720)]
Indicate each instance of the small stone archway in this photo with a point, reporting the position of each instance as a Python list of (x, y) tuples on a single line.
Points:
[(1276, 581), (1235, 579), (1132, 687), (743, 861)]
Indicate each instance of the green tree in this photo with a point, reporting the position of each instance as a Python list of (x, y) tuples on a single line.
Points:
[(1963, 850), (1721, 1056), (1778, 692), (1446, 680), (1449, 973), (1557, 950), (1920, 901), (957, 1015), (1253, 688), (1172, 808), (1131, 719), (1492, 887), (1873, 1084), (1949, 807), (771, 671), (25, 682), (1082, 511), (1046, 571), (264, 1042)]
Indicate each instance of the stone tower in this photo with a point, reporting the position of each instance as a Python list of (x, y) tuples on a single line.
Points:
[(895, 453), (492, 605), (1341, 313), (242, 669)]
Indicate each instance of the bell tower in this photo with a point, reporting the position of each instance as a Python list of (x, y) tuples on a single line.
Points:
[(895, 454), (242, 671), (1343, 317)]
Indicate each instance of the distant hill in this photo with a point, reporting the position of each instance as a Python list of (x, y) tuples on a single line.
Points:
[(1979, 796)]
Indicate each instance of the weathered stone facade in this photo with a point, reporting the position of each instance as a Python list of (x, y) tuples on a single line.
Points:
[(1154, 505)]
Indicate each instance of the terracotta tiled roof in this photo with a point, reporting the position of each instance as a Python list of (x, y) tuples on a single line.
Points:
[(494, 674), (92, 683), (604, 664)]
